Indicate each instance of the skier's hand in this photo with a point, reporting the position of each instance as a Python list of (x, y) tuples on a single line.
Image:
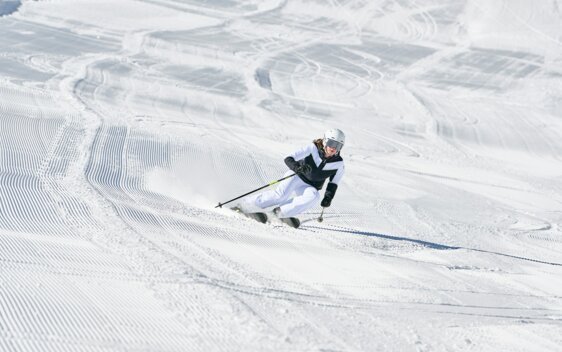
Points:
[(302, 169), (297, 167), (329, 194)]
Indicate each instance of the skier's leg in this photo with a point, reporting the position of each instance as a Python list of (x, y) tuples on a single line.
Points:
[(278, 195), (306, 198)]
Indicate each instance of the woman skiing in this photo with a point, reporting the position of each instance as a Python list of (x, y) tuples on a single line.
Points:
[(313, 164)]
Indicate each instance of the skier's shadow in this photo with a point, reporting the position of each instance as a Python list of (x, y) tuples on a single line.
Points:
[(426, 244)]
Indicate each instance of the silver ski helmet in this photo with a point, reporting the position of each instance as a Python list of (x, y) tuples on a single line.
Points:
[(334, 138)]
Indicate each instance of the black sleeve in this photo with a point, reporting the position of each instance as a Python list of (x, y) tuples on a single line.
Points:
[(291, 163), (330, 191)]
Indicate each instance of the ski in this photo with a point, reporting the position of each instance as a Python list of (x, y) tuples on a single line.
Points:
[(293, 222), (258, 216), (262, 217)]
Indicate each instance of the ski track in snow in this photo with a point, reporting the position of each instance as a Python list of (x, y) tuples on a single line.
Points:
[(119, 135)]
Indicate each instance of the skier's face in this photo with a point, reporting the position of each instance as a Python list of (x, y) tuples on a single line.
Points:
[(329, 151)]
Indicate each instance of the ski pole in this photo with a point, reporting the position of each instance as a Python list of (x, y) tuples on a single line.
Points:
[(255, 190), (320, 219)]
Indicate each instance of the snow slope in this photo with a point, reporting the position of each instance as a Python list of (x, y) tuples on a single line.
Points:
[(123, 123)]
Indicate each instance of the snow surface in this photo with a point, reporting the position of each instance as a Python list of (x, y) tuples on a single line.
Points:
[(123, 123)]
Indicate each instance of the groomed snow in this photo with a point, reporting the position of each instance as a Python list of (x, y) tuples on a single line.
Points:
[(123, 123)]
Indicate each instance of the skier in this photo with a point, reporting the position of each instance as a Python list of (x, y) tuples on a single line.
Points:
[(313, 164)]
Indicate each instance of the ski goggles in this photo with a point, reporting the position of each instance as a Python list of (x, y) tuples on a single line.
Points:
[(334, 144)]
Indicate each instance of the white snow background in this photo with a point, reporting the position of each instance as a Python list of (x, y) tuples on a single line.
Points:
[(124, 122)]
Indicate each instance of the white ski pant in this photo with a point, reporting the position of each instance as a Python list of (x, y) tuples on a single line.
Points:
[(305, 197)]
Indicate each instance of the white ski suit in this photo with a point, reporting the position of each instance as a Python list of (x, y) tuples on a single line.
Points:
[(300, 193)]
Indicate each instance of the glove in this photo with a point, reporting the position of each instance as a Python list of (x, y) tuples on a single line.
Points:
[(297, 167), (326, 202), (329, 194), (302, 169)]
